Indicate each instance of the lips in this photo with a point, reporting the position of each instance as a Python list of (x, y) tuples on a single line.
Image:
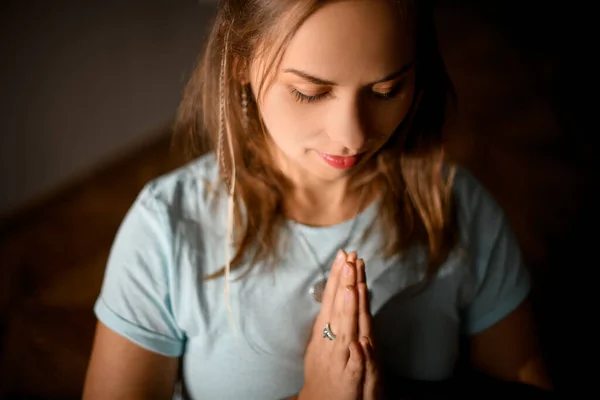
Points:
[(340, 162)]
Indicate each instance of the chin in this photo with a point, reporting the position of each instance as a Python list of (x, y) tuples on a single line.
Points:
[(330, 176)]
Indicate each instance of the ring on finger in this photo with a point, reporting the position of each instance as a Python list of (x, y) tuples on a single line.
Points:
[(327, 333)]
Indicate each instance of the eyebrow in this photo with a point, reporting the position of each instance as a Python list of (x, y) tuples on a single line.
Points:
[(324, 82)]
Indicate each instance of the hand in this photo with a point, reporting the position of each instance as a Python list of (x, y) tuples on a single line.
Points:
[(334, 369), (372, 389)]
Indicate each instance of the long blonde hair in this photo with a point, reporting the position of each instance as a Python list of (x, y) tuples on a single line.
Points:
[(416, 205)]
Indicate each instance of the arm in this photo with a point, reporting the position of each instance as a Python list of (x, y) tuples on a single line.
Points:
[(509, 351), (496, 313), (138, 340), (120, 369)]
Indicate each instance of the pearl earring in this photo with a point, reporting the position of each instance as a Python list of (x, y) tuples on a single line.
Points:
[(244, 107)]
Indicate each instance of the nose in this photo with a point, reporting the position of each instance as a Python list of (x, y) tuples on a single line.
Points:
[(348, 126)]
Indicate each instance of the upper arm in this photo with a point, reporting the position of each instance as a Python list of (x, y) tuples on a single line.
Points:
[(138, 339), (120, 369), (496, 315), (509, 350)]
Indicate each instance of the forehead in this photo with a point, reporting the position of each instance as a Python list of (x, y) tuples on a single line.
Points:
[(351, 41)]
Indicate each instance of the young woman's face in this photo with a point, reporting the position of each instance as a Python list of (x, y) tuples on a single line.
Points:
[(346, 81)]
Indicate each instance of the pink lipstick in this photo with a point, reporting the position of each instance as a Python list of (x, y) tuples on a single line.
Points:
[(340, 162)]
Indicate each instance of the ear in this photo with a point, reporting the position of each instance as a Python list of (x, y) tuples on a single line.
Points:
[(241, 70)]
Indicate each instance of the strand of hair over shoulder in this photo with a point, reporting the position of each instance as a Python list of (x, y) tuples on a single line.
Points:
[(225, 129)]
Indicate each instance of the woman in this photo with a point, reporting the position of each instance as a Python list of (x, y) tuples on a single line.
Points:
[(325, 121)]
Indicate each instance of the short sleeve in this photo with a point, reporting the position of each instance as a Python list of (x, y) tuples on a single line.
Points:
[(135, 298), (500, 280)]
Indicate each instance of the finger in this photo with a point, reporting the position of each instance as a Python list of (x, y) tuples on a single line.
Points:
[(367, 348), (347, 322), (360, 271), (365, 319), (355, 367), (371, 372), (352, 257), (347, 279), (332, 284)]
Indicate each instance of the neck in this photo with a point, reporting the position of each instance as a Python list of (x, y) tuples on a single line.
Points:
[(317, 202), (324, 208), (325, 196)]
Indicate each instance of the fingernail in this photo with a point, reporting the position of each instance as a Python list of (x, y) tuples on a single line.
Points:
[(346, 270)]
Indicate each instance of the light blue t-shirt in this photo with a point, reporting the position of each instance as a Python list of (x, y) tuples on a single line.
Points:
[(174, 234)]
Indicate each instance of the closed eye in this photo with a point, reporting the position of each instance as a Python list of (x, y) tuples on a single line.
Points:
[(390, 94), (304, 98)]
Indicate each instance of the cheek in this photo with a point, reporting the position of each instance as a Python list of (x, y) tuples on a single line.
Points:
[(387, 116), (285, 119)]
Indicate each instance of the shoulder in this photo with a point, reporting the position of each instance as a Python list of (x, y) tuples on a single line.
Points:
[(171, 211), (187, 192), (479, 214), (171, 215), (471, 195), (499, 280), (155, 242)]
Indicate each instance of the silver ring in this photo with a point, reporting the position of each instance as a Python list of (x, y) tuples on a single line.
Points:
[(327, 332)]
